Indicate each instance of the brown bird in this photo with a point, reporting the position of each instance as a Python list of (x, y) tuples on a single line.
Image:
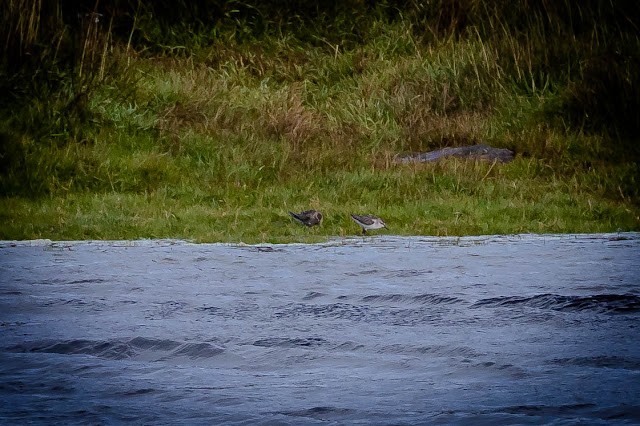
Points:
[(308, 217)]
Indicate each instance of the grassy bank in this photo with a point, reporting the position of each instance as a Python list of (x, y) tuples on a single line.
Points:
[(216, 138)]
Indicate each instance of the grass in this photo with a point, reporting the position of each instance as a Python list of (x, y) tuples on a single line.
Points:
[(219, 143), (452, 198)]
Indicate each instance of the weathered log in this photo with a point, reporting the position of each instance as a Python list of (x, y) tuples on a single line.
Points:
[(480, 152)]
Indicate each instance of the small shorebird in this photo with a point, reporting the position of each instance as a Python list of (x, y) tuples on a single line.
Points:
[(308, 217), (369, 222)]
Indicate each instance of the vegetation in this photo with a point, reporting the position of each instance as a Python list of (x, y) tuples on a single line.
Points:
[(208, 120)]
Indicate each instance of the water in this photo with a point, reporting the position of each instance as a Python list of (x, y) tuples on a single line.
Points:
[(384, 330)]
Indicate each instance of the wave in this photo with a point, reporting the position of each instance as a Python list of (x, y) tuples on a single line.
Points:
[(284, 342), (332, 310), (423, 299), (312, 295), (548, 410), (624, 413), (407, 273), (324, 413), (139, 347), (601, 362), (436, 350), (603, 303), (389, 314)]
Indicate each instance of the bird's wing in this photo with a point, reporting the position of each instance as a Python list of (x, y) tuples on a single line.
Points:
[(366, 219), (297, 216)]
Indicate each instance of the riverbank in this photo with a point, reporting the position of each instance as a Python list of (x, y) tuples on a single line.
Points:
[(218, 137), (492, 209)]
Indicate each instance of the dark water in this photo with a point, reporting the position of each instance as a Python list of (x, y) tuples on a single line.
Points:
[(500, 330)]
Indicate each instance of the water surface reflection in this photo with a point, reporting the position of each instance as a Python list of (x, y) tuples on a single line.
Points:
[(513, 329)]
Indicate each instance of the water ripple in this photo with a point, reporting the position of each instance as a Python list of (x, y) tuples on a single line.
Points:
[(601, 362), (138, 347), (284, 342), (602, 303), (383, 330), (424, 299)]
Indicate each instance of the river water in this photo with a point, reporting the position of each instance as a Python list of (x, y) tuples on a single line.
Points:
[(383, 330)]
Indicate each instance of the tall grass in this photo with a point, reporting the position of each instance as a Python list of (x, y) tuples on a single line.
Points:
[(211, 122)]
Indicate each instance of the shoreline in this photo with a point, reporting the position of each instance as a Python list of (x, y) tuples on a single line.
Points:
[(336, 241)]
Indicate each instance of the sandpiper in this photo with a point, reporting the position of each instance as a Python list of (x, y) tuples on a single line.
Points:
[(369, 222), (308, 217)]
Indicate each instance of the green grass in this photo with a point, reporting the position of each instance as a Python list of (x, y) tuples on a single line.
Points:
[(219, 144), (453, 198)]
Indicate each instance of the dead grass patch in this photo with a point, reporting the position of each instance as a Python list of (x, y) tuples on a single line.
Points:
[(295, 122)]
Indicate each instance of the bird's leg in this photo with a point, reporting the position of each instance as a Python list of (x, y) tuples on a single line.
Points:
[(364, 231)]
